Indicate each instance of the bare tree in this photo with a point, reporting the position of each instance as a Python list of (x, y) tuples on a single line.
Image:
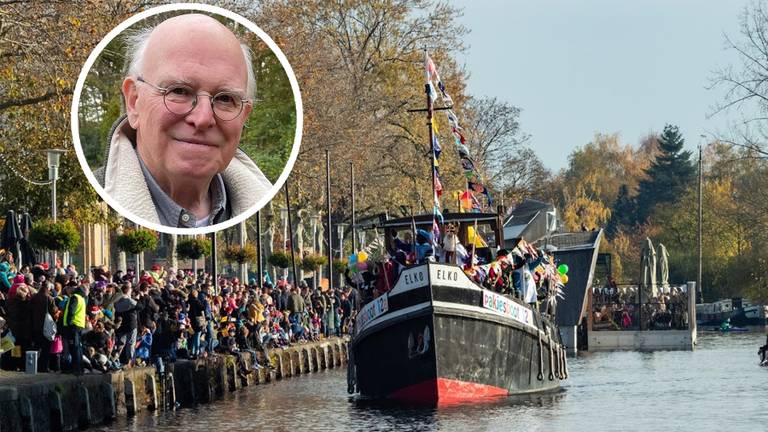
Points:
[(499, 148), (746, 84)]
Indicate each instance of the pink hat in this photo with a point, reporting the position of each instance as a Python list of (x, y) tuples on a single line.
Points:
[(19, 279)]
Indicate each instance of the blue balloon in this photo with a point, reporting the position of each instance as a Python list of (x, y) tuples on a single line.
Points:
[(352, 259)]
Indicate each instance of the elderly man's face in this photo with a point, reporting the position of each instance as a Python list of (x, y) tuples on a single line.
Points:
[(199, 53)]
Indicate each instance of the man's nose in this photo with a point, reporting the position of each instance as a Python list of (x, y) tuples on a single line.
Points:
[(201, 116)]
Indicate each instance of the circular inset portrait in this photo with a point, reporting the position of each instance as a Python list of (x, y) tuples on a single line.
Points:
[(187, 118)]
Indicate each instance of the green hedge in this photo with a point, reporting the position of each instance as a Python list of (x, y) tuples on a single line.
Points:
[(340, 266), (312, 261), (280, 259), (240, 255), (136, 241), (193, 248), (60, 236)]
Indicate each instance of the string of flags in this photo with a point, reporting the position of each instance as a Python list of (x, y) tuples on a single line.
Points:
[(468, 201)]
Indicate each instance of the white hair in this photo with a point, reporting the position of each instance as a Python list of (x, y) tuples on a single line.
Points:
[(136, 46)]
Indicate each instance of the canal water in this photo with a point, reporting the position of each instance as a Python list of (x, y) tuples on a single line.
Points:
[(719, 386)]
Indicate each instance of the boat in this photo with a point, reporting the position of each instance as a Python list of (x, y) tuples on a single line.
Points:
[(740, 311), (438, 337), (745, 313), (732, 329)]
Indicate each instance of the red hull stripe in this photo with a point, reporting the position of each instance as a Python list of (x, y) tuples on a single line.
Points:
[(443, 390)]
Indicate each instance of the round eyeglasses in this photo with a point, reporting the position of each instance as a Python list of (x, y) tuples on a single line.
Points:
[(181, 99)]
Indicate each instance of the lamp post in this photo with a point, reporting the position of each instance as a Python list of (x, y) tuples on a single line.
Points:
[(54, 156), (284, 218), (314, 218)]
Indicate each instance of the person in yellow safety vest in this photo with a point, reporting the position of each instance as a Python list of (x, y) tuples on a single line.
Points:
[(73, 321)]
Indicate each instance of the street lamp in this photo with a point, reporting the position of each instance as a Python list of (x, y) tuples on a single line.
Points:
[(340, 227), (54, 156)]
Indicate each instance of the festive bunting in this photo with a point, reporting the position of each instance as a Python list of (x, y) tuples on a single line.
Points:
[(474, 182)]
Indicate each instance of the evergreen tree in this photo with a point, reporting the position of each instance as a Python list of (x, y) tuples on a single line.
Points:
[(668, 176), (623, 212)]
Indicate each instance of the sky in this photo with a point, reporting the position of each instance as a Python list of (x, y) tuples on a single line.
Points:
[(577, 68)]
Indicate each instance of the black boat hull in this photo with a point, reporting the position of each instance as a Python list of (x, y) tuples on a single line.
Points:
[(442, 343)]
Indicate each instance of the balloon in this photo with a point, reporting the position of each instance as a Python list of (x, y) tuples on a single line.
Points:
[(362, 266), (562, 269), (564, 279), (352, 259), (362, 256)]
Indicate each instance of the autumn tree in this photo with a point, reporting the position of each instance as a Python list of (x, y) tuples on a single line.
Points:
[(360, 68), (43, 45), (583, 209)]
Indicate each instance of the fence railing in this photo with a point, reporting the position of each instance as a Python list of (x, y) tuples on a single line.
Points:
[(652, 315)]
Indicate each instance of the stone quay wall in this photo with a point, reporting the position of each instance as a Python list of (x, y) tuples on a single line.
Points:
[(61, 402)]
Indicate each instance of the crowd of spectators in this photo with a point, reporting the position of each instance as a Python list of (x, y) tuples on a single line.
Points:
[(107, 321), (622, 308)]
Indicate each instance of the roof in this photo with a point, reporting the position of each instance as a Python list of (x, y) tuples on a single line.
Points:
[(572, 240), (579, 251), (526, 211)]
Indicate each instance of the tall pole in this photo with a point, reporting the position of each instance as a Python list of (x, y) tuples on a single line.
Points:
[(315, 218), (328, 209), (53, 199), (259, 264), (243, 241), (214, 259), (53, 211), (430, 111), (290, 232), (284, 220), (701, 182), (352, 191)]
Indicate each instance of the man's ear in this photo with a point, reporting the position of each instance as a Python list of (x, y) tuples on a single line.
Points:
[(247, 108), (130, 96)]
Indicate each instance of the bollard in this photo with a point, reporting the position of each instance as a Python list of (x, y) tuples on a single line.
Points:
[(324, 357), (203, 391), (306, 366), (232, 376), (314, 359), (337, 353), (151, 389), (296, 362), (86, 416), (130, 397), (331, 362), (27, 414), (57, 411), (111, 404)]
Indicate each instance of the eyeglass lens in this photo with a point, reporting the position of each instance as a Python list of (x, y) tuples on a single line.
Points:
[(180, 100)]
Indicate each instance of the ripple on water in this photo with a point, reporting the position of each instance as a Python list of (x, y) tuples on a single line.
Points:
[(716, 387)]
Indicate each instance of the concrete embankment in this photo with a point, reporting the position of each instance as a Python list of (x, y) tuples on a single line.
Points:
[(64, 402)]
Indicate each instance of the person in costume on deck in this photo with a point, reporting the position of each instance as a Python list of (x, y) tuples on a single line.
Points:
[(522, 277)]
